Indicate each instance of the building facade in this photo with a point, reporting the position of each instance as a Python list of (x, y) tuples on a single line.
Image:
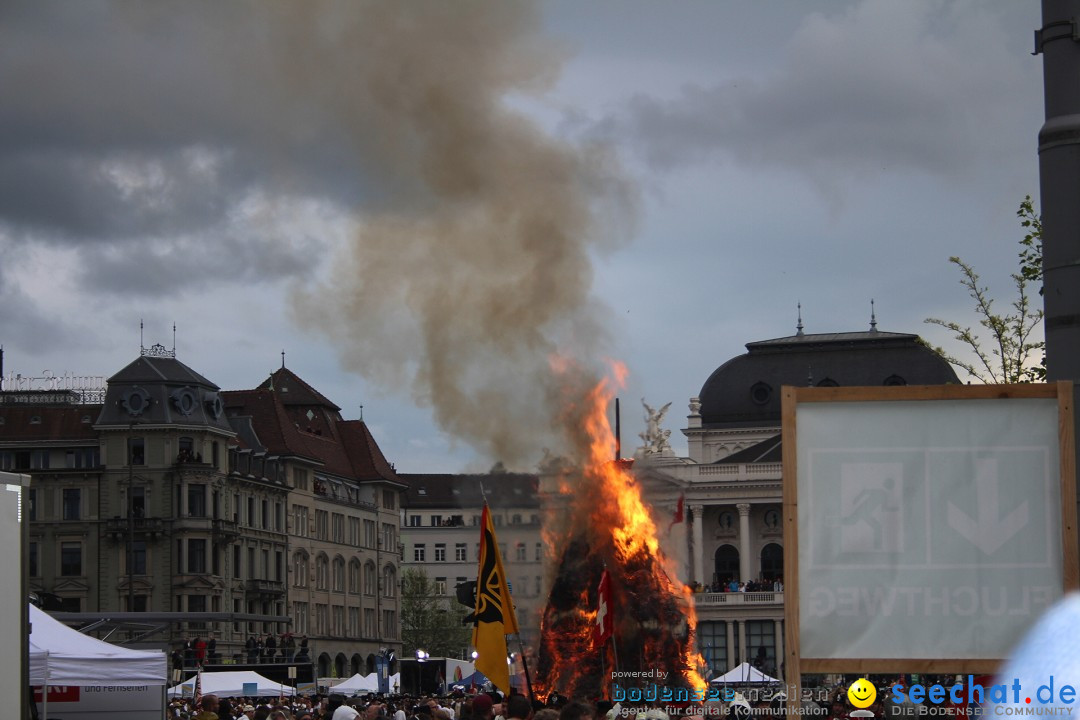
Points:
[(174, 496), (440, 527), (730, 483)]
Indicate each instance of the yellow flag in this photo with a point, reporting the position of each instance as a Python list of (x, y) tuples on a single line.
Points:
[(495, 617)]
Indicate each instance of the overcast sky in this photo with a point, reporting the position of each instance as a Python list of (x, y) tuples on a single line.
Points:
[(423, 203)]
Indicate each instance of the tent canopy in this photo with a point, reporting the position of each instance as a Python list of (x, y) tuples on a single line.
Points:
[(745, 673), (231, 684), (60, 655), (357, 684)]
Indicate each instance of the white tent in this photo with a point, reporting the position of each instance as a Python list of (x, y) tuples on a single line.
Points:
[(357, 684), (745, 673), (231, 684), (60, 655)]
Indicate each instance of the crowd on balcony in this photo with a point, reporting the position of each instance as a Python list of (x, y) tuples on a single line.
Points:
[(270, 649), (186, 456), (197, 652), (732, 585)]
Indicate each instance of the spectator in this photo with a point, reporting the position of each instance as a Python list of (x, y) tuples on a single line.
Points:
[(481, 707), (576, 710), (336, 709), (517, 707), (208, 706)]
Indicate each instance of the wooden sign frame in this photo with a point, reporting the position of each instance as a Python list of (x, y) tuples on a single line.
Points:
[(792, 397)]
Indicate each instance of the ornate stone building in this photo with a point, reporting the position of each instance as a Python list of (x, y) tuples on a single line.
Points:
[(173, 496), (731, 481), (441, 534), (342, 567)]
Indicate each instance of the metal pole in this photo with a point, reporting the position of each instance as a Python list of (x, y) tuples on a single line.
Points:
[(1059, 179), (525, 665), (131, 522), (1059, 182)]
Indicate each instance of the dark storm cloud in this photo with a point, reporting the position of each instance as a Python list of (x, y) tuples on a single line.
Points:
[(877, 86), (128, 125)]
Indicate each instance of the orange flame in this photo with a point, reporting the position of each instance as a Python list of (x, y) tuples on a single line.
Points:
[(609, 525)]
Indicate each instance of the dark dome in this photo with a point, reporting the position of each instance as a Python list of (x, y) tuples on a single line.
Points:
[(745, 391), (159, 390)]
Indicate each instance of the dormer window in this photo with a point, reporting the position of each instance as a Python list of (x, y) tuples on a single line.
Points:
[(184, 400), (135, 401)]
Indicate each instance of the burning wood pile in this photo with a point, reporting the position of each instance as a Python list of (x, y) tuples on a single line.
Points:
[(607, 526)]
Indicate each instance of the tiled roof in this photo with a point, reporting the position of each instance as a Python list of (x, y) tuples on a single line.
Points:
[(150, 369), (502, 490), (313, 431), (54, 423), (367, 458), (294, 391)]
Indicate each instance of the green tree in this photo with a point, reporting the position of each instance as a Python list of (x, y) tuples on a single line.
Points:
[(1012, 343), (430, 620)]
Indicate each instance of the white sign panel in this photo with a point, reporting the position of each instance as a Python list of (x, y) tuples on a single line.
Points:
[(103, 702), (12, 592), (926, 529)]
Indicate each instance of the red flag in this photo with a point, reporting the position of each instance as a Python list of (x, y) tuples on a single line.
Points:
[(605, 622), (678, 512), (197, 692)]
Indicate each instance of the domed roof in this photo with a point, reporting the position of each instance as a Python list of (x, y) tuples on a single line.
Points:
[(155, 389), (745, 391)]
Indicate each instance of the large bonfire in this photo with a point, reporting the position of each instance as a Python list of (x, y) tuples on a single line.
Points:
[(605, 524)]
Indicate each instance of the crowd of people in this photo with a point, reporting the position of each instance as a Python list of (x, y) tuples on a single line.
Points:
[(829, 703), (732, 585), (196, 652), (459, 706)]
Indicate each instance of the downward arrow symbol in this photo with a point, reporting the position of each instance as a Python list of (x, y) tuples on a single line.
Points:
[(988, 531)]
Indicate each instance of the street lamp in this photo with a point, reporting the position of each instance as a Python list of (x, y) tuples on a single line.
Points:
[(421, 656)]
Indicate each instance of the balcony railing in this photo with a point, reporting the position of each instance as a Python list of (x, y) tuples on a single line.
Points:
[(738, 598), (118, 528), (226, 530), (266, 587)]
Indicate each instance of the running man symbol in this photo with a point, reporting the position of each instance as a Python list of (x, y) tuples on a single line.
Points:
[(870, 510)]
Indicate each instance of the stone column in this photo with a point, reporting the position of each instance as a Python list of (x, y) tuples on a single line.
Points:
[(744, 542), (730, 644), (697, 534), (742, 641), (779, 631)]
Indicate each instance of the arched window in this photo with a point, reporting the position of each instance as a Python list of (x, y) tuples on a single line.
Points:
[(726, 563), (354, 578), (321, 571), (356, 664), (369, 578), (772, 562), (340, 663), (300, 569), (338, 576), (324, 665), (389, 581)]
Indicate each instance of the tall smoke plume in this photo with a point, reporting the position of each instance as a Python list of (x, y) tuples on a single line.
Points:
[(472, 275)]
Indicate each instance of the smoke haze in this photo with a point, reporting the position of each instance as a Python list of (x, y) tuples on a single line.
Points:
[(469, 284)]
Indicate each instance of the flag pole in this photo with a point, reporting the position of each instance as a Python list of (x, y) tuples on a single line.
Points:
[(525, 665)]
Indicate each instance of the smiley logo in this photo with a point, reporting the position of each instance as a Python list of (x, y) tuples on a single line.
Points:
[(862, 693)]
